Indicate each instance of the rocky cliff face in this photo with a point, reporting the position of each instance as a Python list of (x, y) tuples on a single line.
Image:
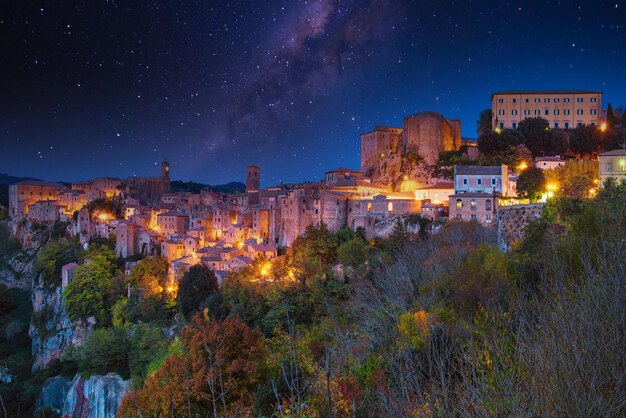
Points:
[(17, 271), (96, 397), (395, 169), (513, 221), (53, 394), (51, 329)]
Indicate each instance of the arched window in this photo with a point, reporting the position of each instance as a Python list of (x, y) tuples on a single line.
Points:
[(390, 206), (459, 204), (369, 207)]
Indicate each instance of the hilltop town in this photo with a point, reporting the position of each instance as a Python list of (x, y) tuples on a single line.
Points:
[(424, 168)]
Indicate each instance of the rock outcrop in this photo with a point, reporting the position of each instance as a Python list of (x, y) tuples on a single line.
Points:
[(513, 221), (96, 397), (19, 269), (396, 169), (53, 394), (51, 329)]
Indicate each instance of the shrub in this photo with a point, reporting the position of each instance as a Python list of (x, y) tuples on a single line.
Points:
[(105, 351)]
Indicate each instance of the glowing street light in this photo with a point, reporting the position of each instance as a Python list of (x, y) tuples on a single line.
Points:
[(522, 166), (602, 127)]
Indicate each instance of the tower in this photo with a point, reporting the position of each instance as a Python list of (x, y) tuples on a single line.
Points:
[(253, 180), (165, 170)]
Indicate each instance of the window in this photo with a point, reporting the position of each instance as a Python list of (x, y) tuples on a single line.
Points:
[(566, 100), (537, 100), (473, 216), (607, 167), (579, 112), (580, 123), (526, 112), (537, 112), (556, 125), (465, 182), (579, 100), (593, 111), (390, 206), (546, 100), (526, 100), (514, 112), (556, 100), (479, 181), (488, 204), (369, 207), (514, 100), (593, 100), (501, 125), (566, 111), (556, 111), (473, 204), (501, 112), (514, 125), (493, 181), (566, 125), (488, 218), (500, 100), (458, 216), (547, 112), (459, 204)]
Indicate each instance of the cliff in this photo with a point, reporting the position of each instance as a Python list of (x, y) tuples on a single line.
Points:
[(51, 329), (17, 269), (513, 221), (396, 169), (95, 397)]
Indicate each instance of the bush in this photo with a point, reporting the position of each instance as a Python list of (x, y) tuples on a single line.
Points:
[(106, 351), (147, 343)]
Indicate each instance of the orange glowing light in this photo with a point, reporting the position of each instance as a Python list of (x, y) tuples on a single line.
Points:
[(602, 127), (522, 166)]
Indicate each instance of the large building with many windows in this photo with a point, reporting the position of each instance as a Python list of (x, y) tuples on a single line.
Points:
[(563, 109)]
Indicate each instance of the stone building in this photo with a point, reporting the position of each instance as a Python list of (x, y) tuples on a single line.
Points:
[(45, 211), (563, 109), (376, 144), (25, 193), (148, 190), (477, 190), (127, 241), (172, 222), (612, 164), (428, 134)]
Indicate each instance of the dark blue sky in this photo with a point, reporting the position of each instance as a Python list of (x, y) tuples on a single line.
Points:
[(93, 88)]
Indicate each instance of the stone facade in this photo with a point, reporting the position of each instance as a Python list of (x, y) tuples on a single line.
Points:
[(428, 134), (380, 142)]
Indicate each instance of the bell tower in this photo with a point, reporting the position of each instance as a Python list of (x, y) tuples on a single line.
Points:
[(165, 170), (253, 179)]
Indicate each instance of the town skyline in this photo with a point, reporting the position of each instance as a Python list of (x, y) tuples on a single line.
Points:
[(110, 90)]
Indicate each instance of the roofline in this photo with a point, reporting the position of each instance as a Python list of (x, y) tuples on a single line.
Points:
[(520, 92)]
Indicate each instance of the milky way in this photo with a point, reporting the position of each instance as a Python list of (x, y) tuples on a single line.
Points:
[(93, 88)]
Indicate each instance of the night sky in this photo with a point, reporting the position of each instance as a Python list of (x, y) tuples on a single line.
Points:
[(109, 88)]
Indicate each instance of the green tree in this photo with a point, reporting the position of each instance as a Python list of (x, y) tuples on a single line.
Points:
[(531, 183), (54, 256), (197, 284), (314, 251), (399, 236), (150, 275), (146, 344), (584, 140), (106, 351), (535, 133), (483, 124), (93, 290), (611, 120), (354, 254), (559, 142)]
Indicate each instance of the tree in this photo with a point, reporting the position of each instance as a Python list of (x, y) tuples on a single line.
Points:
[(106, 351), (93, 290), (559, 142), (354, 254), (531, 182), (611, 120), (150, 274), (489, 142), (483, 124), (535, 133), (216, 375), (512, 156), (623, 119), (584, 140), (399, 236), (147, 343), (197, 284), (577, 177), (314, 251)]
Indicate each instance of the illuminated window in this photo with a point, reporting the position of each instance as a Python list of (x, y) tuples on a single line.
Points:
[(488, 204), (473, 204), (390, 206), (459, 204), (369, 207), (488, 218)]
